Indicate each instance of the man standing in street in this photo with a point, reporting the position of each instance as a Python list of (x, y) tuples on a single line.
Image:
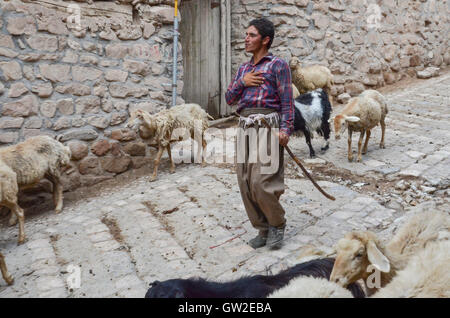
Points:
[(262, 88)]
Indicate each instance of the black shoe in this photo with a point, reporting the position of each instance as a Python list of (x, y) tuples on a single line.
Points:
[(258, 241), (275, 237)]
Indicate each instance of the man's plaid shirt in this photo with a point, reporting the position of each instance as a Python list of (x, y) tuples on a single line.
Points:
[(275, 92)]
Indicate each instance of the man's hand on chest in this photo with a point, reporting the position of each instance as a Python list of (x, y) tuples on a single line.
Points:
[(253, 79)]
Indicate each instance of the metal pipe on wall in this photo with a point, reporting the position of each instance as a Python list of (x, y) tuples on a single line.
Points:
[(223, 54), (175, 54)]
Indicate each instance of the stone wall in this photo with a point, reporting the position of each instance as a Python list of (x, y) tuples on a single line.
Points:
[(77, 69), (80, 79), (365, 43)]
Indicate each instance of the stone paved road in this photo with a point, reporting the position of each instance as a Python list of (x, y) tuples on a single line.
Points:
[(122, 235)]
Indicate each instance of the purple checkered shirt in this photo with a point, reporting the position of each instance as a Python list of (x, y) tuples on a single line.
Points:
[(275, 92)]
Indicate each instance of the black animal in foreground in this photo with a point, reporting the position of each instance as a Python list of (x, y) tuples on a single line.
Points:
[(258, 286)]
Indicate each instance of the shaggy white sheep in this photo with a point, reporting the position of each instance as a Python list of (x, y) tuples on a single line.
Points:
[(425, 276), (357, 250), (6, 276), (311, 77), (24, 165), (159, 128), (311, 287), (361, 114)]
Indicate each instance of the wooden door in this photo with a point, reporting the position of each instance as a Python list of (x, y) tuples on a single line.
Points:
[(200, 37)]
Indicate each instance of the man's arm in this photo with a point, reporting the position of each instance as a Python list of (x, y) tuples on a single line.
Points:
[(235, 89), (284, 83)]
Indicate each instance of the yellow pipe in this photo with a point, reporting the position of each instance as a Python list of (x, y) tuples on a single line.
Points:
[(176, 8)]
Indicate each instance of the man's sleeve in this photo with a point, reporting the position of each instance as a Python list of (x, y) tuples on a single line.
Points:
[(235, 89), (284, 82)]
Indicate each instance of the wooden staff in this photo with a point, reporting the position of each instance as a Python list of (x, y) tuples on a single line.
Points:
[(299, 163)]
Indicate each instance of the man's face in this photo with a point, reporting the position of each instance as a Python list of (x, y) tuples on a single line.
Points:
[(253, 40)]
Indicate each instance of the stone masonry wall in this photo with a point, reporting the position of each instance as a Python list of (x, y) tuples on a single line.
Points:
[(365, 43), (80, 81), (77, 69)]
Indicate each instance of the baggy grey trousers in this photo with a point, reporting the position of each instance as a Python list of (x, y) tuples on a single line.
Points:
[(260, 190)]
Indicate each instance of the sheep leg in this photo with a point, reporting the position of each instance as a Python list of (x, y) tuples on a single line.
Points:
[(361, 137), (12, 219), (57, 192), (6, 276), (364, 151), (350, 153), (156, 163), (307, 134), (326, 135), (20, 215), (383, 127), (204, 144), (172, 165)]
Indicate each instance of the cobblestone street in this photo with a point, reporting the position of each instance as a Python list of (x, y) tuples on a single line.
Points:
[(128, 232)]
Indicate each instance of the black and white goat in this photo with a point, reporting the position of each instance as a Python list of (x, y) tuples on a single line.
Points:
[(312, 112), (258, 286)]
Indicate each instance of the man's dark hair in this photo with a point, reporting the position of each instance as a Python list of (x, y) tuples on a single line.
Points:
[(265, 28)]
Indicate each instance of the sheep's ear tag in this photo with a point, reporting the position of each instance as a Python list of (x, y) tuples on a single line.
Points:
[(377, 259), (352, 119)]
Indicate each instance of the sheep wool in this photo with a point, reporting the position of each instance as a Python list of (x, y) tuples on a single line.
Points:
[(24, 165), (425, 276), (310, 287)]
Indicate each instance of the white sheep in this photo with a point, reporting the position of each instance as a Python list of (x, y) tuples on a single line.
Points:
[(311, 77), (425, 276), (361, 114), (295, 91), (360, 249), (6, 275), (23, 165), (311, 287), (159, 128)]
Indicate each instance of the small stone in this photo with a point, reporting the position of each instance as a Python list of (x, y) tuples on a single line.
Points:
[(118, 118), (17, 89), (62, 123), (43, 90), (24, 107), (21, 25), (135, 149), (98, 121), (82, 134), (116, 164), (79, 149), (6, 122), (11, 70), (149, 29), (55, 72), (90, 165), (88, 105), (354, 88), (34, 123), (48, 109), (123, 134), (116, 76), (82, 74), (101, 147), (9, 137), (74, 89), (65, 106)]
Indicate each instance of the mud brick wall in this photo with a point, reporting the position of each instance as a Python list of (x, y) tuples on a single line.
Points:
[(365, 43), (80, 79)]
